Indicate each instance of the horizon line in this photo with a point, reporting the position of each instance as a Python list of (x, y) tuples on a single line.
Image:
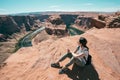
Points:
[(56, 11)]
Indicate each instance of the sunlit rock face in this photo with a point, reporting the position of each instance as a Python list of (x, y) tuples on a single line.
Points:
[(34, 62), (98, 23), (83, 21), (56, 25), (86, 23)]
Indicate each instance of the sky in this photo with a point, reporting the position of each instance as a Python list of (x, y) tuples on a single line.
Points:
[(23, 6)]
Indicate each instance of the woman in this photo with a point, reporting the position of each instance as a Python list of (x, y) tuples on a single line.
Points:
[(79, 57)]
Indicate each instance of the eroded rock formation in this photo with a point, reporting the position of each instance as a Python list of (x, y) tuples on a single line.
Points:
[(98, 23), (56, 27), (8, 25), (85, 23), (12, 24), (115, 23)]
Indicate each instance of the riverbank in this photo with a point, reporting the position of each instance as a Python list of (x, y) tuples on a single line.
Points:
[(7, 48)]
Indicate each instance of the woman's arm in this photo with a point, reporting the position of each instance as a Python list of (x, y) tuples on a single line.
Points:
[(78, 55), (68, 50), (76, 49), (81, 55)]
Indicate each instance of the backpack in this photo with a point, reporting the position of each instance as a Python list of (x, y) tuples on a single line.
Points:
[(89, 59)]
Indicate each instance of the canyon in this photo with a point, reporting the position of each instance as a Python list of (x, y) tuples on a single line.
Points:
[(33, 62)]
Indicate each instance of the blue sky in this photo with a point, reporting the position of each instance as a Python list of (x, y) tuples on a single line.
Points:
[(20, 6)]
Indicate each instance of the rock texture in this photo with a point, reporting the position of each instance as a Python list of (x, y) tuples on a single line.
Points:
[(12, 24), (55, 25), (33, 63), (102, 17), (83, 22), (43, 17), (8, 25), (3, 37), (55, 20), (115, 23), (112, 21), (98, 23), (28, 21)]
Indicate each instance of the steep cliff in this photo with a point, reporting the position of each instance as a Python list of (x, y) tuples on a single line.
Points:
[(55, 25), (8, 25), (98, 23), (112, 21), (68, 19), (28, 21), (115, 23), (12, 24)]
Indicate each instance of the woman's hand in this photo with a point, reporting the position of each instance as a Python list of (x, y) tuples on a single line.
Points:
[(74, 55), (68, 50)]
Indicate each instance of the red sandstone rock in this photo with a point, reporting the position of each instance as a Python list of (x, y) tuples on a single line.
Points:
[(33, 63)]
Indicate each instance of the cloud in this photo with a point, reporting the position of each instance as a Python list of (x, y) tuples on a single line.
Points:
[(2, 9), (88, 4), (54, 6)]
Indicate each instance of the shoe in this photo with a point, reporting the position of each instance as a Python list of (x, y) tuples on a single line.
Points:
[(62, 71), (55, 65)]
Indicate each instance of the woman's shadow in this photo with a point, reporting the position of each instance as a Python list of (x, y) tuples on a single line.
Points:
[(83, 73)]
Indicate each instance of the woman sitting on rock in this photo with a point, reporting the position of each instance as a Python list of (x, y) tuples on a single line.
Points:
[(79, 57)]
